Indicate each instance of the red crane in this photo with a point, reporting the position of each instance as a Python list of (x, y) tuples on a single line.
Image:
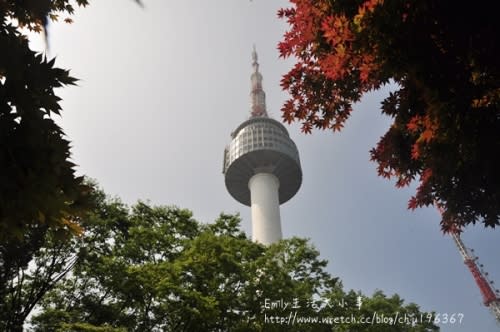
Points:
[(491, 296)]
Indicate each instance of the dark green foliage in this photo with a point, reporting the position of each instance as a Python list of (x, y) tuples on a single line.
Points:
[(154, 268), (39, 186), (32, 266), (41, 199)]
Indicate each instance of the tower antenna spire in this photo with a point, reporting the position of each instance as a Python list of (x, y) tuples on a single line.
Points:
[(257, 94)]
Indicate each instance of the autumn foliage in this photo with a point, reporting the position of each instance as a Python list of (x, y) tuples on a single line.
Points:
[(442, 57)]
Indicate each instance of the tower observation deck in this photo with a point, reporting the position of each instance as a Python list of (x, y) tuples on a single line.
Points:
[(261, 165)]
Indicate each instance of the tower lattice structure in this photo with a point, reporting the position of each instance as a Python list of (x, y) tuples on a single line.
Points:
[(491, 295)]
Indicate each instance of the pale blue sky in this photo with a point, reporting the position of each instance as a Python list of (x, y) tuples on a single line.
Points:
[(162, 88)]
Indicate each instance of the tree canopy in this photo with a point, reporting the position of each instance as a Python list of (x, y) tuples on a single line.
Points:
[(442, 58), (41, 199), (155, 268), (39, 185), (31, 266)]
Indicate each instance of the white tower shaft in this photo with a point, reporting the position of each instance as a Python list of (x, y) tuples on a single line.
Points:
[(266, 221)]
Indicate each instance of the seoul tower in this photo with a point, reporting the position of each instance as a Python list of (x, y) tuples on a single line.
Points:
[(261, 165)]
